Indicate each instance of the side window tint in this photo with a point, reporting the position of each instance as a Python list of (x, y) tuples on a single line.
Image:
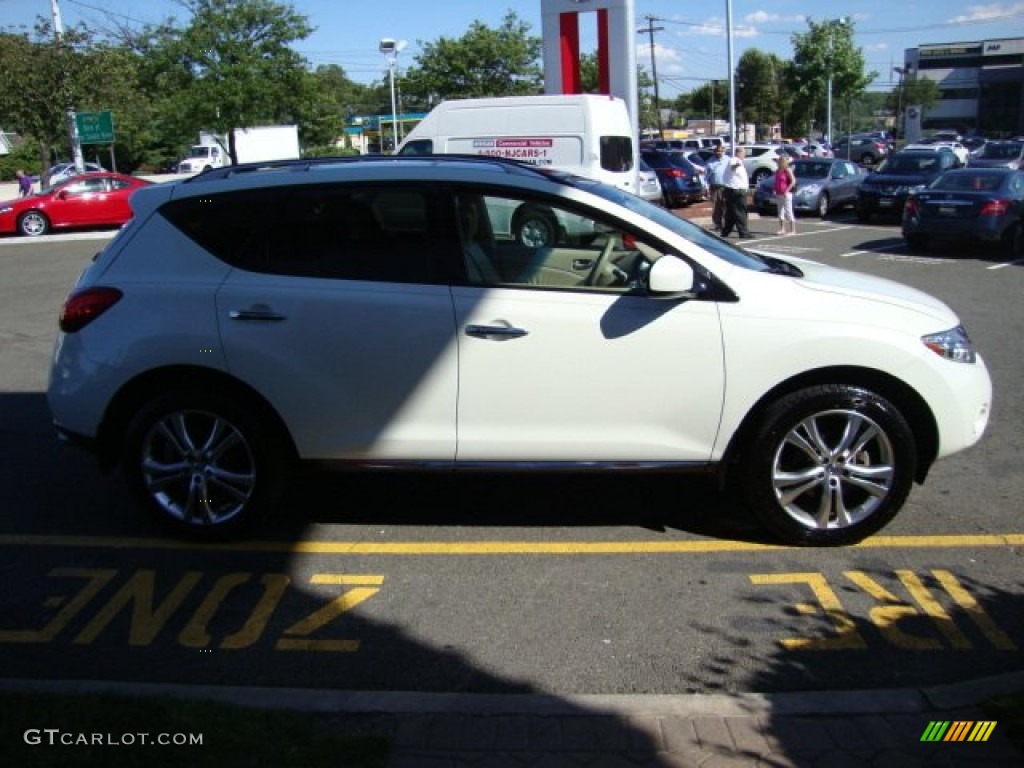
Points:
[(418, 147), (616, 153), (323, 231)]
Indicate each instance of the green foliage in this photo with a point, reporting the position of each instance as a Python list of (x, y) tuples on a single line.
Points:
[(825, 50), (483, 62)]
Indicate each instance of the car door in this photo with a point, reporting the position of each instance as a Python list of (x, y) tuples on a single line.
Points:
[(80, 203), (598, 371), (337, 314)]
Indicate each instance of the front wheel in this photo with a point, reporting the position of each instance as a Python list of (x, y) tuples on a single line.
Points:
[(829, 465), (823, 206), (33, 224), (202, 464), (759, 175)]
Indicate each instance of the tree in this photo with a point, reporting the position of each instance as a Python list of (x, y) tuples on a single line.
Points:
[(232, 66), (759, 98), (483, 62), (825, 51), (41, 78)]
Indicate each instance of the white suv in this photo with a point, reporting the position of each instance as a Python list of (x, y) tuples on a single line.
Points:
[(364, 313), (761, 161)]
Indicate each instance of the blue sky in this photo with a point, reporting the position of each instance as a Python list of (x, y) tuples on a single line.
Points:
[(690, 49)]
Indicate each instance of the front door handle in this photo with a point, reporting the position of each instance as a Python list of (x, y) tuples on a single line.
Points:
[(496, 332), (258, 313)]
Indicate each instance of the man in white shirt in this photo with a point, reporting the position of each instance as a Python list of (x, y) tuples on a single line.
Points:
[(736, 185), (716, 184)]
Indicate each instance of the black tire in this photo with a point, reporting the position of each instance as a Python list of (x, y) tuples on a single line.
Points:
[(917, 242), (759, 174), (1012, 241), (33, 224), (823, 203), (535, 227), (804, 483), (204, 465)]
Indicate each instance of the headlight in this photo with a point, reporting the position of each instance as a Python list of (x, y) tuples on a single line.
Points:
[(952, 344), (809, 191)]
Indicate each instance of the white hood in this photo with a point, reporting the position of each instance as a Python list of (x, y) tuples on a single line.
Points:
[(844, 282)]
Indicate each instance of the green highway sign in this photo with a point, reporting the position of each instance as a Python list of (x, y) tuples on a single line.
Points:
[(95, 127)]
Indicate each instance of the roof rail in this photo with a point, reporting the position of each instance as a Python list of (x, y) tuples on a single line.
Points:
[(306, 164)]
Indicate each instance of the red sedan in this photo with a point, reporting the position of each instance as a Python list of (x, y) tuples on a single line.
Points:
[(88, 200)]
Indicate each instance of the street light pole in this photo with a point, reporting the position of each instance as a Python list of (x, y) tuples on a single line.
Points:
[(391, 48), (901, 128), (72, 122), (832, 23)]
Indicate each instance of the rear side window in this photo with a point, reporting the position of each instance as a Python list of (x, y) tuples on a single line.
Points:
[(344, 233), (418, 147), (617, 153)]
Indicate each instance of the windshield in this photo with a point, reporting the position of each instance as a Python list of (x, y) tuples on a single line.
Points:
[(199, 151), (1001, 151), (911, 164), (811, 170)]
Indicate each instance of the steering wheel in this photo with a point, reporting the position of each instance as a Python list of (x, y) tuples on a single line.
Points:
[(602, 261)]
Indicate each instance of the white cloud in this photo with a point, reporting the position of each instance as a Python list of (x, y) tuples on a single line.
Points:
[(991, 11)]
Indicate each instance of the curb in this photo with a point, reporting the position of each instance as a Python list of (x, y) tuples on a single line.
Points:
[(873, 701)]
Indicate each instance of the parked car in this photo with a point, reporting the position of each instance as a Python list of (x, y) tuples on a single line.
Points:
[(87, 201), (980, 204), (999, 154), (866, 150), (884, 190), (822, 185), (648, 186), (192, 351), (958, 149), (64, 171), (682, 183), (761, 161)]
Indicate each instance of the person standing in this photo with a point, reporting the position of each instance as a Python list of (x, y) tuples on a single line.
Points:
[(736, 185), (785, 181), (716, 186), (24, 183)]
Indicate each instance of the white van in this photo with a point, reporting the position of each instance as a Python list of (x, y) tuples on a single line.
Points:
[(586, 134)]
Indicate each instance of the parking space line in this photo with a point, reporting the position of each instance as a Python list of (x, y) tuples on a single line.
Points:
[(1014, 263)]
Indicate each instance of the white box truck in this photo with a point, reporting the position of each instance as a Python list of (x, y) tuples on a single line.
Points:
[(252, 145), (587, 134)]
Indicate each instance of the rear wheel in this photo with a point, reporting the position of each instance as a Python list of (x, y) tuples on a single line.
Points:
[(1013, 240), (33, 224), (829, 465), (202, 464), (917, 242), (535, 227)]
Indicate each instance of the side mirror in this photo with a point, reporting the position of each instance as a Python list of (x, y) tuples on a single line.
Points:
[(671, 278)]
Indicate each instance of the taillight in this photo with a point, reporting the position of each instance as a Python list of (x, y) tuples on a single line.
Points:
[(911, 207), (994, 208), (84, 306), (675, 173)]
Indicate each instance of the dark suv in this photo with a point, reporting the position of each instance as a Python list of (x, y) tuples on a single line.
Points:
[(885, 190), (682, 181)]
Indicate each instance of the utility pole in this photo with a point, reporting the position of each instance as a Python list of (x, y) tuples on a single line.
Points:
[(76, 145), (650, 29)]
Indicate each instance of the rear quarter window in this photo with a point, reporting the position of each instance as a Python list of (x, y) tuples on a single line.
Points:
[(344, 233)]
